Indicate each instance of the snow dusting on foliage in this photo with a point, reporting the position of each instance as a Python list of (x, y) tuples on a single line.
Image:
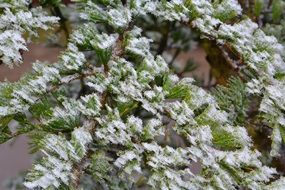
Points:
[(118, 127)]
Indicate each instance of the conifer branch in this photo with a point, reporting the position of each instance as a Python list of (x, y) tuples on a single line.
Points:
[(119, 131)]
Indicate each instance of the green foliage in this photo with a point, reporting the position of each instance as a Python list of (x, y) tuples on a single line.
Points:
[(233, 98), (36, 142), (258, 6), (100, 166), (276, 10), (42, 109), (226, 13), (112, 111), (225, 140)]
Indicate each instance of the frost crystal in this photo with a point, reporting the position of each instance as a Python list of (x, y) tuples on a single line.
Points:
[(109, 108), (54, 171), (13, 24)]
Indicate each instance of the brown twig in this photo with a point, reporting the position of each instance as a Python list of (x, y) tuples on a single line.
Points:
[(78, 169)]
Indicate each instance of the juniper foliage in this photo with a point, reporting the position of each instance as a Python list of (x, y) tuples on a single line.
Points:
[(115, 131)]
